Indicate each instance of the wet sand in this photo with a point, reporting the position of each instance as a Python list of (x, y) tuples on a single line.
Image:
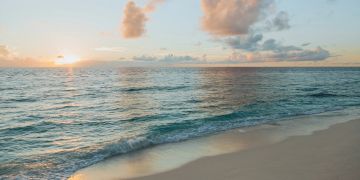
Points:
[(331, 154)]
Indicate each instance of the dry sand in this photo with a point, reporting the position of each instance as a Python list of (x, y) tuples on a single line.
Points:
[(328, 154)]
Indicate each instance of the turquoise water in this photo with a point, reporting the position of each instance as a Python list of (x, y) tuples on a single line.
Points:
[(56, 121)]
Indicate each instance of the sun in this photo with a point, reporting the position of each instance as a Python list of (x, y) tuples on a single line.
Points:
[(67, 59)]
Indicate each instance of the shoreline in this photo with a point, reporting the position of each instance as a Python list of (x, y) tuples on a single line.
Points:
[(325, 155), (194, 158)]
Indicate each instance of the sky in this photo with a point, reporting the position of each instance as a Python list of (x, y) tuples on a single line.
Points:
[(180, 32)]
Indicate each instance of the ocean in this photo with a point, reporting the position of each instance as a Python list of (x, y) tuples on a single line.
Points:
[(55, 121)]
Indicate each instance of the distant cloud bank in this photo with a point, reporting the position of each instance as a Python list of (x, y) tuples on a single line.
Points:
[(169, 59)]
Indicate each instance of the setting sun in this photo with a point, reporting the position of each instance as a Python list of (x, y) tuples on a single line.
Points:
[(66, 60)]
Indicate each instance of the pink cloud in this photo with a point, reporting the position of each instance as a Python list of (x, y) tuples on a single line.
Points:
[(133, 24), (231, 17), (135, 18)]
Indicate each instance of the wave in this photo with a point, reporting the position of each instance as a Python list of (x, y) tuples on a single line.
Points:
[(194, 101), (180, 131), (7, 89), (147, 118), (20, 100), (308, 89), (39, 127), (325, 95), (153, 88)]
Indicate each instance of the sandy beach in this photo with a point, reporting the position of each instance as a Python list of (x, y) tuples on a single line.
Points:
[(330, 154)]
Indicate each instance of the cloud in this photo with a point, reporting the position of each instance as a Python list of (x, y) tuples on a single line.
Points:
[(4, 51), (242, 20), (231, 17), (23, 62), (281, 21), (110, 49), (151, 6), (221, 17), (273, 45), (10, 58), (278, 22), (133, 24), (178, 59), (135, 18), (249, 43), (317, 54), (250, 48), (145, 58), (169, 59)]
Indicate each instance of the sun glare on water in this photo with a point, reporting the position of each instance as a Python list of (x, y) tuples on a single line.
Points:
[(67, 60)]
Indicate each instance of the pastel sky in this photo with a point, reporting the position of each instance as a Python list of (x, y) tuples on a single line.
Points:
[(181, 32)]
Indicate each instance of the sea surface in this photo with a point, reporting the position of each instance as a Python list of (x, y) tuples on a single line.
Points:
[(55, 121)]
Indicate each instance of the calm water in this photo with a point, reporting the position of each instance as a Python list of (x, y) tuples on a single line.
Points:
[(55, 121)]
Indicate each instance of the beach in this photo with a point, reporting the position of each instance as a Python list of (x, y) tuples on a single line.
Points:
[(326, 155), (323, 146)]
